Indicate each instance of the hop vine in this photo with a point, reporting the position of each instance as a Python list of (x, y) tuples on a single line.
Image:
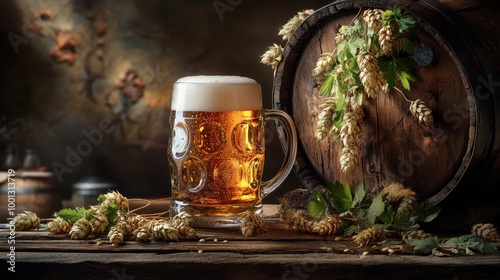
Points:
[(274, 54), (372, 54), (369, 219)]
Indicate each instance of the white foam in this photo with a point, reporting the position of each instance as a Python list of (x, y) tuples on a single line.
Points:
[(216, 94)]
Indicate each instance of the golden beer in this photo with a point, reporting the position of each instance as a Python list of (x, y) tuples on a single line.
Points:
[(216, 150)]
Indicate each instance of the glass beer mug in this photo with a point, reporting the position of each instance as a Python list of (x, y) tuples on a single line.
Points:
[(216, 149)]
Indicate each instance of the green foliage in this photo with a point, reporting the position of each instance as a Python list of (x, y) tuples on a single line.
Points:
[(359, 212), (376, 208), (405, 221), (463, 245), (319, 205), (341, 196), (426, 213), (424, 245), (327, 85), (74, 215), (397, 66), (359, 39), (343, 80), (101, 198), (111, 213), (396, 16)]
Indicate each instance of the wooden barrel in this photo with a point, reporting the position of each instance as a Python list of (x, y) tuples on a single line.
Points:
[(457, 166), (34, 191)]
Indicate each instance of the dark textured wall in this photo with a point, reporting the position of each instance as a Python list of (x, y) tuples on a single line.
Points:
[(77, 69)]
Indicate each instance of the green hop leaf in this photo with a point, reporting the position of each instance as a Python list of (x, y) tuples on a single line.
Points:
[(318, 207), (341, 195), (69, 214), (424, 245)]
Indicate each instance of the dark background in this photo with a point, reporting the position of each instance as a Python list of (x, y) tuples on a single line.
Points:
[(64, 66)]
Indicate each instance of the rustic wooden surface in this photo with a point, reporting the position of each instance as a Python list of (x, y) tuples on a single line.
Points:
[(277, 253)]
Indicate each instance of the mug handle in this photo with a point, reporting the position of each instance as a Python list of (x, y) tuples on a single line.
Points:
[(290, 152)]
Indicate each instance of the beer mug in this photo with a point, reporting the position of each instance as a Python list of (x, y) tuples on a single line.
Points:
[(216, 149)]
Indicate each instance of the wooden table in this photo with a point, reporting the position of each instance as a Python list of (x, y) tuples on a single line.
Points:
[(278, 253)]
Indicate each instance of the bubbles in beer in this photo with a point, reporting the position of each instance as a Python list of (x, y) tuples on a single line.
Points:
[(230, 172), (193, 174), (210, 138)]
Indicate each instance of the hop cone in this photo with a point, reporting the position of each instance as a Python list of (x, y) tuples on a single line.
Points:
[(81, 229), (182, 218), (402, 198), (163, 231), (272, 56), (349, 158), (414, 234), (99, 222), (186, 231), (182, 222), (351, 131), (117, 234), (387, 39), (135, 221), (26, 220), (301, 221), (288, 28), (371, 78), (58, 226), (373, 18), (396, 193), (354, 105), (407, 204), (368, 236), (487, 231), (297, 219), (142, 234), (123, 222), (341, 35), (117, 199), (325, 125), (329, 225), (250, 223), (421, 112), (324, 65)]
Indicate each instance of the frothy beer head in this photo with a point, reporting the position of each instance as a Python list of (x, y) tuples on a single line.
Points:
[(216, 94)]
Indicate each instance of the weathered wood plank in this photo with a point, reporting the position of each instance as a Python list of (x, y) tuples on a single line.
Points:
[(194, 265), (279, 252)]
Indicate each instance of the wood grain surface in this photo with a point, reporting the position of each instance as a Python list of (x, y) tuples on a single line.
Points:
[(277, 253)]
